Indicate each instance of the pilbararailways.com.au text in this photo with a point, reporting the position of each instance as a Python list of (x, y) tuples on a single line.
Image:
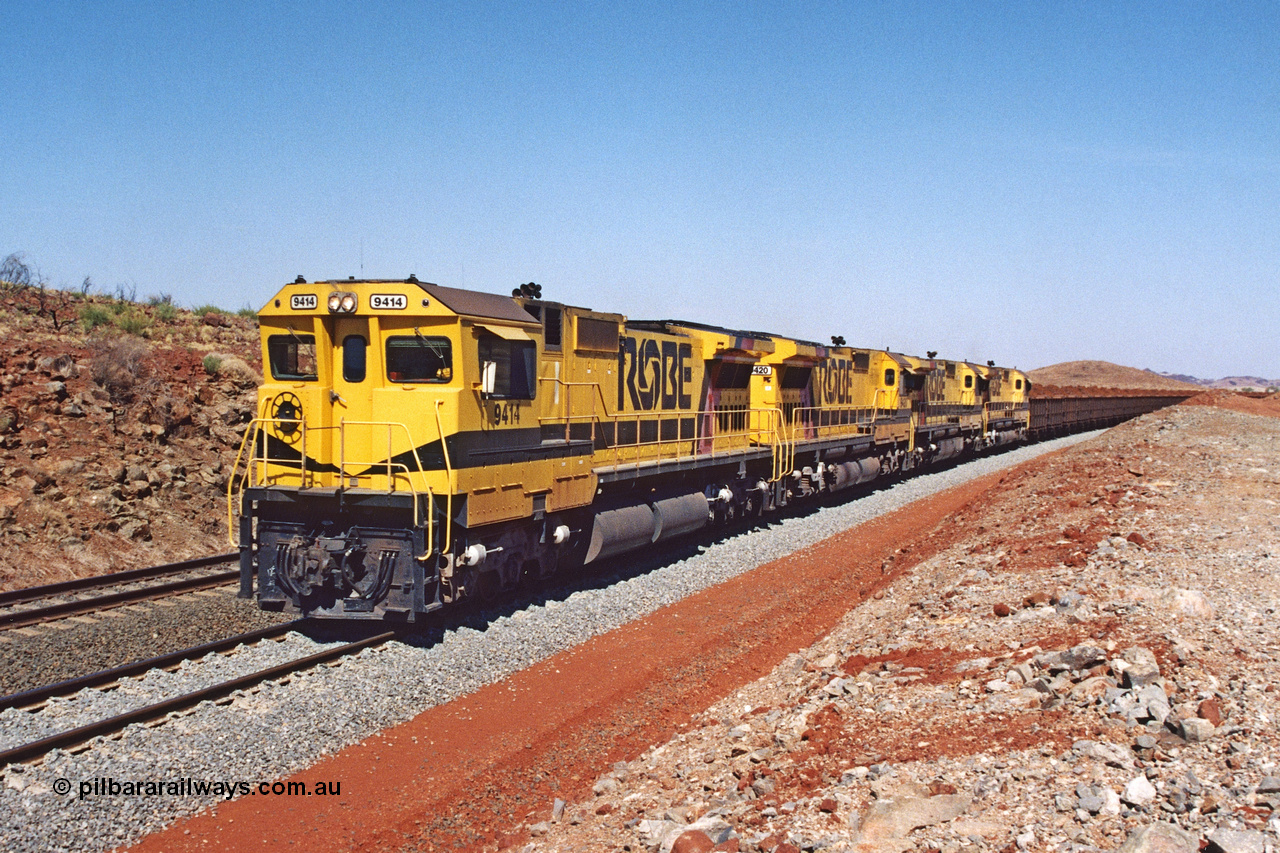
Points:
[(188, 787)]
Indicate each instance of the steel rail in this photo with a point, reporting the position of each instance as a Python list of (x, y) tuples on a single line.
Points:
[(35, 615), (35, 749), (38, 695), (31, 593)]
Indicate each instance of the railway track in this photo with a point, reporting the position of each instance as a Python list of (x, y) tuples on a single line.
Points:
[(157, 710), (14, 613)]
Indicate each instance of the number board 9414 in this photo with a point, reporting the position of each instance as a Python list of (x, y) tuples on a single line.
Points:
[(388, 302)]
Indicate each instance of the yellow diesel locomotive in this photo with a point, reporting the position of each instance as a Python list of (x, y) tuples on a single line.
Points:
[(415, 445)]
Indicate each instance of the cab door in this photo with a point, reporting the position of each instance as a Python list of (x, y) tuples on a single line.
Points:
[(357, 443)]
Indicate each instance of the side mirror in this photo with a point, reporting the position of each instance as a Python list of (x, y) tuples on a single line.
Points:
[(488, 377)]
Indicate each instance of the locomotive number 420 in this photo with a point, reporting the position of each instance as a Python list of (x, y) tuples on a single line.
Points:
[(504, 413)]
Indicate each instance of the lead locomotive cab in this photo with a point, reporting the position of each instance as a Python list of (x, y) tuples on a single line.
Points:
[(387, 422)]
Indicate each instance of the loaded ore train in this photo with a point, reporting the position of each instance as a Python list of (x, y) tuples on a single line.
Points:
[(417, 445)]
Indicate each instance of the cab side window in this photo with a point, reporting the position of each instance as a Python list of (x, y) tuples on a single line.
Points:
[(514, 366)]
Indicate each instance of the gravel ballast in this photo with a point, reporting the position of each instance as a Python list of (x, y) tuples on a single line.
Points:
[(74, 647), (279, 729)]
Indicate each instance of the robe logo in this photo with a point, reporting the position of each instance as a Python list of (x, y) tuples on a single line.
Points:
[(833, 382), (654, 374)]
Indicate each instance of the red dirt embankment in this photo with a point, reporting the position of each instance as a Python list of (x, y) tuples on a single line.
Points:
[(1250, 405)]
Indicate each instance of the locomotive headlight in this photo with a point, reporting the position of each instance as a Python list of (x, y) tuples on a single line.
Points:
[(342, 303)]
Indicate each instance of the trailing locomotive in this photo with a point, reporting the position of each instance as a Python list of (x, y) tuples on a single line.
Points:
[(415, 445)]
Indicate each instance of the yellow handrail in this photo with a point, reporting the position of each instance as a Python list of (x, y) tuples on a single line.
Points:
[(448, 470), (396, 466), (250, 434), (253, 462), (765, 425)]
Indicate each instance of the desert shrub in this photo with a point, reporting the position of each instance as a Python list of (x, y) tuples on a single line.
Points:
[(240, 372), (15, 274), (133, 322), (232, 367), (92, 316), (248, 312), (162, 307), (119, 364), (201, 310)]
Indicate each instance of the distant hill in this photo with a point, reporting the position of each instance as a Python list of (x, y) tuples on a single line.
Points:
[(1255, 383), (1104, 374)]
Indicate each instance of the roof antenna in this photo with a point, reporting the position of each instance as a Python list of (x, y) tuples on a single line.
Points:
[(362, 257)]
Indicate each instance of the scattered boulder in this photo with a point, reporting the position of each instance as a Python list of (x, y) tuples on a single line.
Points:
[(886, 823), (1211, 710), (1138, 792), (1106, 752), (1196, 730), (1187, 602), (692, 841), (1142, 667), (1160, 838), (1224, 840)]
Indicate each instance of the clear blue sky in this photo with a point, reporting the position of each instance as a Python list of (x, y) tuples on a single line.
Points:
[(1029, 182)]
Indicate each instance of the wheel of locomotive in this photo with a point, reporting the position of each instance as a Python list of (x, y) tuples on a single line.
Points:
[(487, 586), (531, 573)]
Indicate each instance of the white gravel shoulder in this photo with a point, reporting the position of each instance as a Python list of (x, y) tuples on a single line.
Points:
[(279, 729)]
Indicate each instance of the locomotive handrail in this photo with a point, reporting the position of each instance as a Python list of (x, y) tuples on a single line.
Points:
[(398, 467), (784, 462), (448, 470), (759, 425), (568, 408), (947, 411), (253, 461), (251, 432), (231, 483), (774, 430), (875, 403), (830, 419)]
